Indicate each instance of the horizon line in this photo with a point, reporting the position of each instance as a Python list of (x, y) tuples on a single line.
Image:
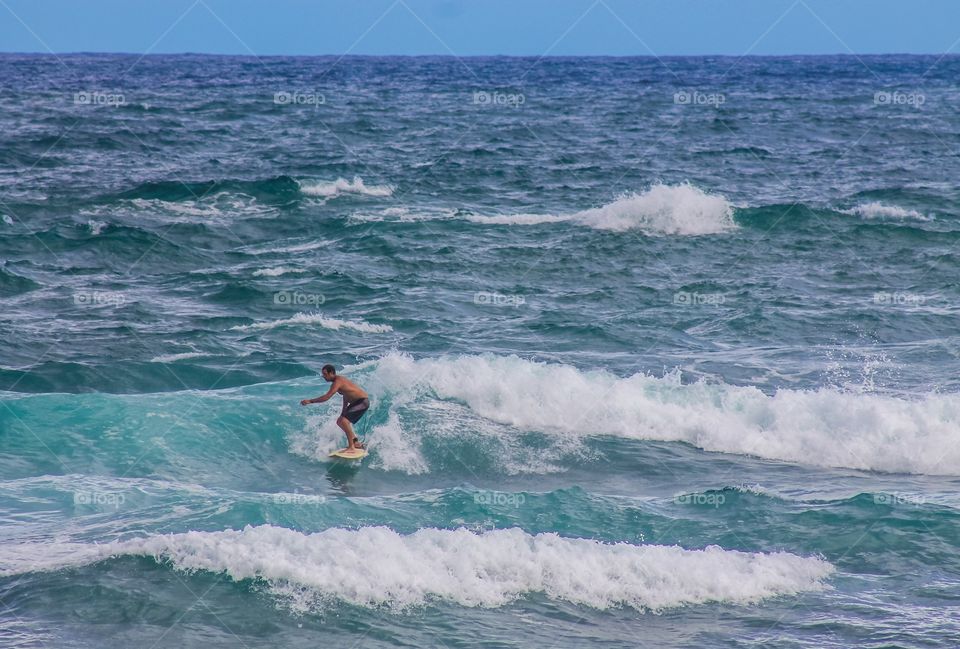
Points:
[(480, 56)]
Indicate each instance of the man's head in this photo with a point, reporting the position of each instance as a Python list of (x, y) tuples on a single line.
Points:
[(329, 372)]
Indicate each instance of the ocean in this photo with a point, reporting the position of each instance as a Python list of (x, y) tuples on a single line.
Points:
[(660, 352)]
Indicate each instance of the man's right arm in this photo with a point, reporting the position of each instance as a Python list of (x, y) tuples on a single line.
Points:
[(332, 391)]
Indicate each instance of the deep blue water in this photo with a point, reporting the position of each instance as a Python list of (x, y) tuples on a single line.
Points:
[(661, 353)]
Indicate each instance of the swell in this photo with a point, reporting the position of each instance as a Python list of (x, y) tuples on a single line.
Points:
[(12, 283), (279, 189), (429, 411), (899, 532), (58, 378), (103, 245), (882, 220)]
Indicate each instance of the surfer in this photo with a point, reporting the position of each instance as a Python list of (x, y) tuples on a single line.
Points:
[(355, 403)]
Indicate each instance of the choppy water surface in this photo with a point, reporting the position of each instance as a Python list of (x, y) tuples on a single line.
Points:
[(661, 353)]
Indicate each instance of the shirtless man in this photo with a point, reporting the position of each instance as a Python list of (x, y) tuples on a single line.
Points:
[(355, 403)]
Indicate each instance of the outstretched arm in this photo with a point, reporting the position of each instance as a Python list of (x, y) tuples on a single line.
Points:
[(332, 391)]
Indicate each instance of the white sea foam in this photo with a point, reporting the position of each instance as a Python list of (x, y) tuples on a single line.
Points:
[(406, 215), (340, 186), (317, 319), (662, 209), (221, 207), (276, 272), (376, 566), (391, 447), (299, 247), (172, 358), (521, 219), (96, 227), (217, 207), (877, 210), (396, 451), (824, 427)]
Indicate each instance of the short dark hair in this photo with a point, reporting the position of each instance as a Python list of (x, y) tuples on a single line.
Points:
[(329, 369)]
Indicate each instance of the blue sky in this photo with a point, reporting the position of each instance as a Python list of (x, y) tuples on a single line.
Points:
[(479, 27)]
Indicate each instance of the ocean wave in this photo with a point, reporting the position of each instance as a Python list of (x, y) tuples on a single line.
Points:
[(332, 189), (662, 209), (878, 210), (378, 567), (317, 319), (823, 427)]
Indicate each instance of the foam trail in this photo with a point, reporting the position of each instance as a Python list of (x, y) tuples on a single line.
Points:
[(317, 319), (343, 186), (662, 209), (172, 358), (376, 566), (293, 249), (825, 427), (221, 207), (876, 209)]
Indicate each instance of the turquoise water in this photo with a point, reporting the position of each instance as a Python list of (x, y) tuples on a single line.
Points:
[(660, 353)]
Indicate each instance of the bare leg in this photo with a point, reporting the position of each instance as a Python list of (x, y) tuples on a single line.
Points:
[(347, 427)]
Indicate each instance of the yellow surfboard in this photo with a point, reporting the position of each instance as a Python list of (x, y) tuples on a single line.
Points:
[(348, 454)]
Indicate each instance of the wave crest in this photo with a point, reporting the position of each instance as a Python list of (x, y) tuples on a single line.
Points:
[(332, 189), (376, 566), (661, 210), (823, 427), (878, 210), (317, 319)]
